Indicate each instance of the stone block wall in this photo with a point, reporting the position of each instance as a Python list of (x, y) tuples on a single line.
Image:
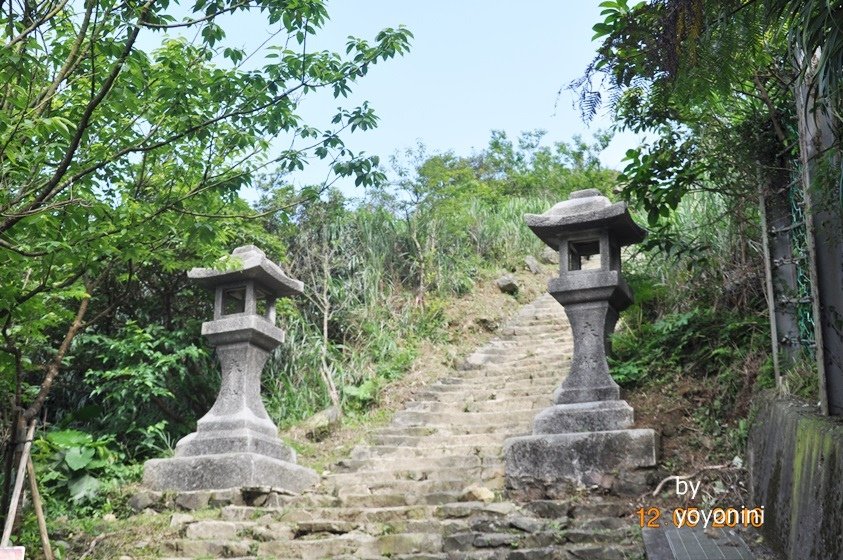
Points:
[(795, 459)]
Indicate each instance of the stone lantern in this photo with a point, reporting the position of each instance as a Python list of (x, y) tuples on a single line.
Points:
[(583, 438), (236, 444)]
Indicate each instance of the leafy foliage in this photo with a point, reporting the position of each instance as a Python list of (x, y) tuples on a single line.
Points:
[(396, 259), (116, 162), (147, 373), (120, 168), (76, 469), (699, 342)]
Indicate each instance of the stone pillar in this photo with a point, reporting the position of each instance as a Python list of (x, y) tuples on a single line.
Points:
[(236, 444), (584, 438), (589, 379)]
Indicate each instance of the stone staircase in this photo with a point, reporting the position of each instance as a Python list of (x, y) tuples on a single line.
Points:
[(430, 485)]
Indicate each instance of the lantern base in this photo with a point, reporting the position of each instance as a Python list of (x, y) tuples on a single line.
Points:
[(599, 416), (565, 395), (226, 470), (551, 465), (241, 440)]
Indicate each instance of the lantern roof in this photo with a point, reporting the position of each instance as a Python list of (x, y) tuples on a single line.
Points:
[(585, 210), (253, 265)]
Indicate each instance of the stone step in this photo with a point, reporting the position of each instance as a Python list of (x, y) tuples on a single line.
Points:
[(557, 366), (542, 313), (532, 402), (395, 439), (546, 341), (508, 540), (416, 431), (399, 499), (471, 385), (217, 548), (441, 526), (486, 394), (585, 511), (227, 558), (383, 497), (449, 432), (564, 552), (506, 427), (361, 545), (427, 452), (476, 389), (355, 515), (509, 347), (339, 540), (520, 366), (408, 486), (435, 431), (458, 525), (436, 514), (513, 359), (547, 328), (527, 330), (454, 392), (413, 463), (527, 339), (586, 552), (417, 472), (462, 419)]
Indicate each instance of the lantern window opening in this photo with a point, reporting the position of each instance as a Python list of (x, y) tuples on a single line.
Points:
[(265, 304), (581, 249), (233, 300)]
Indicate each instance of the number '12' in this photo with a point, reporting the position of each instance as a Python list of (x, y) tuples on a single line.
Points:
[(650, 517)]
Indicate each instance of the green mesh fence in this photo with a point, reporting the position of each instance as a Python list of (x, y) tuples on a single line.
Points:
[(804, 311)]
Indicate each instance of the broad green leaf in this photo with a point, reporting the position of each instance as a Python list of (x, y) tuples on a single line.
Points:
[(85, 487), (77, 458)]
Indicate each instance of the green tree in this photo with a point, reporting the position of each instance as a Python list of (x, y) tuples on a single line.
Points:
[(117, 164), (739, 96)]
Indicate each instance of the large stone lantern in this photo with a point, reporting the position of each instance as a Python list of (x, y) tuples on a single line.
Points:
[(236, 444), (583, 438)]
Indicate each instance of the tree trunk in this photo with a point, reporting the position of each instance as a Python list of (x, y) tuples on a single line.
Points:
[(326, 314)]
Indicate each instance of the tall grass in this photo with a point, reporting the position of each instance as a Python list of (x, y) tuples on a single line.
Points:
[(391, 282), (707, 251)]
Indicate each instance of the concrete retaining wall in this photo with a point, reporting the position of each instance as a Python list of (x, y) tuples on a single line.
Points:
[(796, 466)]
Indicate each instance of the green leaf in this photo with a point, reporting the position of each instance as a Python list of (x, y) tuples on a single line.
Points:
[(85, 487), (68, 438), (77, 458)]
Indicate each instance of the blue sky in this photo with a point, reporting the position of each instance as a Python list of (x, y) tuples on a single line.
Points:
[(474, 66)]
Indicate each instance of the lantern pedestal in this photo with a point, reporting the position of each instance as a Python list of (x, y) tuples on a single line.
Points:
[(585, 438), (552, 465), (226, 470), (236, 444)]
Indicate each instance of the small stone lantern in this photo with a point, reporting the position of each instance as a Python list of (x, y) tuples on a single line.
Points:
[(584, 226), (583, 438), (236, 444)]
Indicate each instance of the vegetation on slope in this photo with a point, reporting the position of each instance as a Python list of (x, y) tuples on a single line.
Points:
[(103, 213), (380, 274)]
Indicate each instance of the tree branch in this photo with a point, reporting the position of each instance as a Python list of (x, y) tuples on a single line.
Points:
[(25, 33), (195, 21), (54, 366), (71, 61), (83, 124)]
